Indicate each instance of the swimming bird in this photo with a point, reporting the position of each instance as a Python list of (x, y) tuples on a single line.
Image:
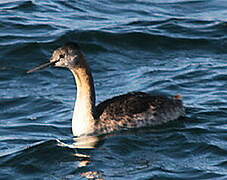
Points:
[(131, 110)]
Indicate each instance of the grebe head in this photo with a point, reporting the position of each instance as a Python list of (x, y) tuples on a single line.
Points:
[(68, 56)]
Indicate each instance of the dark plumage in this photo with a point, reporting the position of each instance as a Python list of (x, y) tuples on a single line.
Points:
[(137, 109)]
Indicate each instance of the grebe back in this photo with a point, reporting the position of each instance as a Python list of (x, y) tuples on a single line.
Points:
[(132, 110)]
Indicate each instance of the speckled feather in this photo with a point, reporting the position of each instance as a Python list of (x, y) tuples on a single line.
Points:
[(136, 109)]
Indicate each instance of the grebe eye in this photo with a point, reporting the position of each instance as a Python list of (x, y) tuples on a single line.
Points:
[(62, 56)]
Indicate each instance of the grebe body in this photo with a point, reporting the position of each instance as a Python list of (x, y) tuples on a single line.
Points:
[(131, 110)]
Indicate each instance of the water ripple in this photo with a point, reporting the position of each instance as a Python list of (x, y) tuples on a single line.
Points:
[(171, 47)]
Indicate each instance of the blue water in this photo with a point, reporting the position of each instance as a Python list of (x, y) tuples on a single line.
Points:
[(168, 47)]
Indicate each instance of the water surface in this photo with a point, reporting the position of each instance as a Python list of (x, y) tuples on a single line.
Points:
[(171, 47)]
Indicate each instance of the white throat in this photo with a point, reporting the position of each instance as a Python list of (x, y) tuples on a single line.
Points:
[(83, 116)]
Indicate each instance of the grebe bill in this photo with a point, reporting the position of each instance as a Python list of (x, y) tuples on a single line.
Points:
[(131, 110)]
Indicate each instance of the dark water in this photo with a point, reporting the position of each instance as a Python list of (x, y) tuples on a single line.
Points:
[(171, 47)]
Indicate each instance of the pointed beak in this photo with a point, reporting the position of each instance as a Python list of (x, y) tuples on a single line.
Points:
[(42, 66)]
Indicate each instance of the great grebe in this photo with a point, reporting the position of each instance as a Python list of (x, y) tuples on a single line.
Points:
[(131, 110)]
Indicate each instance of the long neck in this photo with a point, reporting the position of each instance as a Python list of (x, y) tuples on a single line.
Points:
[(83, 115)]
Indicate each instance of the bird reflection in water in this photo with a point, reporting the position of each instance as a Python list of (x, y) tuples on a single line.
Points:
[(89, 143)]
